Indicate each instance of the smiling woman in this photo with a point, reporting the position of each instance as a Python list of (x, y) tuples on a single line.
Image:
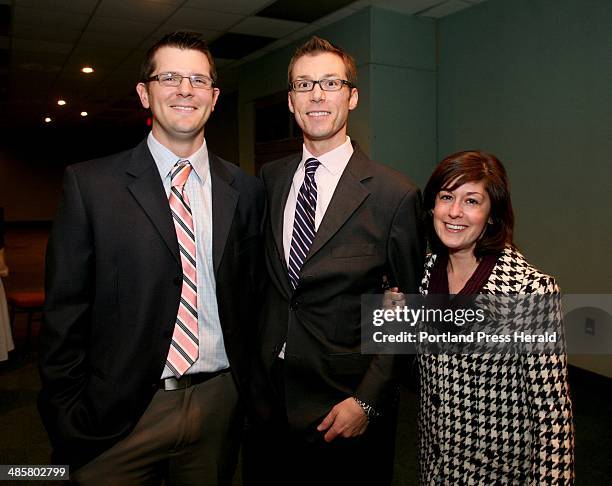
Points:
[(488, 418), (460, 215)]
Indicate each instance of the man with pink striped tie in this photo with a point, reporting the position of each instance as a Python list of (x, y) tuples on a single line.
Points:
[(144, 350)]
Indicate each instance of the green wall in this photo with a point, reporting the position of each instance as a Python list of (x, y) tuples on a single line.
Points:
[(531, 81), (403, 96)]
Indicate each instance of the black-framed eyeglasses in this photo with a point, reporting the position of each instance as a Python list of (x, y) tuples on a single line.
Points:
[(174, 79), (327, 84)]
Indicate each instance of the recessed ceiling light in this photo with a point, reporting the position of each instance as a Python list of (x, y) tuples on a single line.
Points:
[(84, 113), (47, 119), (87, 70), (61, 102)]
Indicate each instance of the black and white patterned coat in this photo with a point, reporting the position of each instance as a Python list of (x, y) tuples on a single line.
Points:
[(496, 418)]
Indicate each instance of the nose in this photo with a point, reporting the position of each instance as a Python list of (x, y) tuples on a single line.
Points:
[(455, 210), (317, 94), (185, 88)]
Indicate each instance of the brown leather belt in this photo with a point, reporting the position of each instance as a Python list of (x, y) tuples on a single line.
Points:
[(185, 381)]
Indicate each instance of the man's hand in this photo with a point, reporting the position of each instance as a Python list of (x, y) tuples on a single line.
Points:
[(393, 298), (346, 419)]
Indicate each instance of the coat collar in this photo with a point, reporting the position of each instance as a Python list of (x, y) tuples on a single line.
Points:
[(148, 190), (224, 201), (348, 196), (506, 278), (280, 186)]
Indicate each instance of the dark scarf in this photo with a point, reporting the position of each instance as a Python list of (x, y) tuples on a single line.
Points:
[(438, 282)]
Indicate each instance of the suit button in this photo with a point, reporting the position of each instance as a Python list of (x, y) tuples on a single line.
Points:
[(435, 400), (178, 280), (294, 305)]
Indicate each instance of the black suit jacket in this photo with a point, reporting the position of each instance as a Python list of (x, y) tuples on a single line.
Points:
[(371, 228), (113, 286)]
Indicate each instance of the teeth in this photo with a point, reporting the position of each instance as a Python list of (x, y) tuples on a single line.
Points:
[(454, 226), (318, 113), (185, 108)]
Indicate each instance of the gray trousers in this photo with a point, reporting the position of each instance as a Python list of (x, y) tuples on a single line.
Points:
[(185, 437)]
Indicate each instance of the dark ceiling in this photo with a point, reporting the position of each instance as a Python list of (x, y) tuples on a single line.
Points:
[(44, 44)]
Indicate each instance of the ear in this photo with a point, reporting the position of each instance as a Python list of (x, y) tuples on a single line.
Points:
[(290, 102), (490, 220), (353, 99), (215, 97), (143, 94)]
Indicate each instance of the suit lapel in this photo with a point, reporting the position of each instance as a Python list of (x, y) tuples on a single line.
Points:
[(279, 192), (148, 190), (348, 196), (224, 201)]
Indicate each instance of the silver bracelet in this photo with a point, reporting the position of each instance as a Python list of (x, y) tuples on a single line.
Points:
[(368, 409)]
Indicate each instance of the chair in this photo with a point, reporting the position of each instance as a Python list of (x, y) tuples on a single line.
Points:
[(29, 303)]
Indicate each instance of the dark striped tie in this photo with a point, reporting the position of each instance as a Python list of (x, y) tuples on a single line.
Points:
[(184, 346), (304, 222)]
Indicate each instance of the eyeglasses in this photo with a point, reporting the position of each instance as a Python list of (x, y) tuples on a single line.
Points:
[(174, 79), (331, 84)]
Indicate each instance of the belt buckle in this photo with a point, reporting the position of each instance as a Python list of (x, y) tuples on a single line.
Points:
[(172, 383)]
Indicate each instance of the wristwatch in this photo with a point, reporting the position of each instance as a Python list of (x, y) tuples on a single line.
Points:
[(368, 409)]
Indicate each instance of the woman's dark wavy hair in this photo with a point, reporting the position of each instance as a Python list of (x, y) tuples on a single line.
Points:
[(473, 166)]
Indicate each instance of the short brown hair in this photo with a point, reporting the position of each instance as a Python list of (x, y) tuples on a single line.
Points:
[(180, 40), (317, 45), (474, 166)]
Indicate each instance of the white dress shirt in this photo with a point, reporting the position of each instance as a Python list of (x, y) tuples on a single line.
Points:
[(327, 176), (212, 355)]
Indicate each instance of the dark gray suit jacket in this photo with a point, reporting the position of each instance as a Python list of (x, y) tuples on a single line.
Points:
[(370, 229), (113, 286)]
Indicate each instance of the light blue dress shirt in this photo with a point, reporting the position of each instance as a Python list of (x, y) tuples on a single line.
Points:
[(212, 354)]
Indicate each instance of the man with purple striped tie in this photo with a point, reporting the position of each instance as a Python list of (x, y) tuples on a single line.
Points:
[(338, 223), (144, 352)]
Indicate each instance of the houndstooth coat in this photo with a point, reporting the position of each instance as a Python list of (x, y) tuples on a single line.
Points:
[(496, 418)]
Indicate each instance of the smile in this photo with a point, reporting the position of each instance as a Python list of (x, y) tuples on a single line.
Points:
[(455, 227), (318, 113), (183, 108)]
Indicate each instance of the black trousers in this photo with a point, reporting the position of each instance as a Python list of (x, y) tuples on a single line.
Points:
[(273, 454)]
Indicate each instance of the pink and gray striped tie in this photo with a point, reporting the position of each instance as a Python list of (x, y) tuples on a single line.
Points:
[(184, 346)]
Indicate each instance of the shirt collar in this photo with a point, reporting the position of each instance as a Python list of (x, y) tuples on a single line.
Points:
[(335, 160), (165, 159)]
